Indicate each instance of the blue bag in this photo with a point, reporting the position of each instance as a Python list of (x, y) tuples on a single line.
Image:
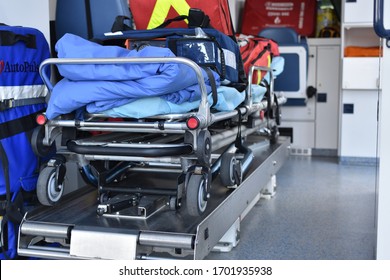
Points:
[(208, 47), (22, 96)]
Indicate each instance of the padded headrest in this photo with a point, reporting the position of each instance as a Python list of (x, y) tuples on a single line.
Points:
[(88, 18), (281, 35)]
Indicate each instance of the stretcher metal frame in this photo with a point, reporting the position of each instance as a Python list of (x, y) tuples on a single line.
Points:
[(195, 155)]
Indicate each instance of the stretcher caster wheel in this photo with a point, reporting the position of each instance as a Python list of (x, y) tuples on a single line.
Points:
[(196, 195), (37, 142), (103, 198), (173, 204), (49, 190), (230, 171), (204, 147), (101, 210)]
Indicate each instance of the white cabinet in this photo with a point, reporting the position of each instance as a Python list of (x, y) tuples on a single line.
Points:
[(327, 99), (359, 125), (360, 86), (315, 126), (360, 73), (358, 11)]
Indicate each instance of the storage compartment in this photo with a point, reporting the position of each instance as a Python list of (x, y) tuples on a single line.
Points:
[(360, 73), (358, 11), (359, 123), (359, 36)]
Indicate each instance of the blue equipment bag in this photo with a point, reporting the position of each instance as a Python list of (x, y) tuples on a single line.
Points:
[(22, 96), (208, 47)]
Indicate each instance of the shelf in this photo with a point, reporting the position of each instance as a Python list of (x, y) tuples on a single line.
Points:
[(349, 25), (360, 36), (323, 41)]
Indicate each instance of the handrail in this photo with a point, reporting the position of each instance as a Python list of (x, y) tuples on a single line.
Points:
[(379, 27), (204, 109)]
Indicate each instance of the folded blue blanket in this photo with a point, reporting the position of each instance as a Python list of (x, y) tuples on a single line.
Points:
[(102, 87)]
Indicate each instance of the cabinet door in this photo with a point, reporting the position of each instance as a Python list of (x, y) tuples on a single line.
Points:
[(327, 108), (360, 73), (358, 11), (359, 124)]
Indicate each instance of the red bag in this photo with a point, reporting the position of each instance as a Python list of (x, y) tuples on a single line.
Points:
[(257, 51), (149, 14), (297, 14)]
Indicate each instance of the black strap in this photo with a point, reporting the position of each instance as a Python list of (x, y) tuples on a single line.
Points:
[(12, 103), (268, 93), (169, 21), (119, 24), (4, 223), (4, 163), (196, 18), (11, 211), (88, 18), (9, 38), (277, 110), (17, 126), (14, 209), (213, 86)]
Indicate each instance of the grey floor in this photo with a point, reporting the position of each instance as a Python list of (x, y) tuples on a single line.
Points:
[(322, 210)]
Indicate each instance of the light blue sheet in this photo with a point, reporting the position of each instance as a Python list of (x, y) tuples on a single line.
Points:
[(228, 99)]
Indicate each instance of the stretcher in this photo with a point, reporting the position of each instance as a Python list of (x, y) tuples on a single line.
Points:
[(203, 143), (168, 180)]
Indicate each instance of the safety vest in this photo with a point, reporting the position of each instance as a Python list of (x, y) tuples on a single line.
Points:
[(149, 14)]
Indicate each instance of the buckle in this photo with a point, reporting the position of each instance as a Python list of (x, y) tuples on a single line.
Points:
[(7, 104)]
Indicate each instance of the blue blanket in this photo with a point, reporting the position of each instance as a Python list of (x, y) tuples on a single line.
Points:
[(102, 87)]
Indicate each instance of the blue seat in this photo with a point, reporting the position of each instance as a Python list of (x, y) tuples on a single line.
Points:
[(88, 19), (281, 35), (294, 49)]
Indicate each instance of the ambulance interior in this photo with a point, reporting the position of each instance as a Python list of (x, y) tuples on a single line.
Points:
[(319, 104)]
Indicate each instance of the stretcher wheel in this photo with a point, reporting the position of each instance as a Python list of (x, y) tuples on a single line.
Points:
[(230, 171), (37, 142), (196, 195), (173, 205), (103, 198), (49, 192), (203, 151)]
